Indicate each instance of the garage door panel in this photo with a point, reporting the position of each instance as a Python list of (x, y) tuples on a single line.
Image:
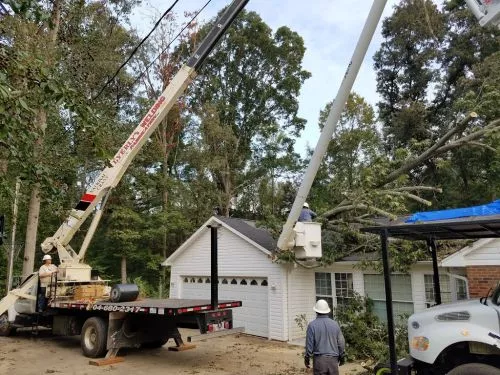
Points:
[(253, 315)]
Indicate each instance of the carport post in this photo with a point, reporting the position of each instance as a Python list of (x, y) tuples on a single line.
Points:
[(388, 302), (214, 274), (437, 288)]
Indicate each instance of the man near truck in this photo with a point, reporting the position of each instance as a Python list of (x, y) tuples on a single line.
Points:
[(45, 276), (324, 342)]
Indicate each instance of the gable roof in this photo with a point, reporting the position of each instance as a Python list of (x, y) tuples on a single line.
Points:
[(260, 238), (257, 235), (458, 259)]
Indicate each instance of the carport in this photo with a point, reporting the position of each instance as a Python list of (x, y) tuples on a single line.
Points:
[(463, 223)]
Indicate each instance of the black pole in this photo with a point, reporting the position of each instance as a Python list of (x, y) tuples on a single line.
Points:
[(388, 302), (437, 287), (214, 274)]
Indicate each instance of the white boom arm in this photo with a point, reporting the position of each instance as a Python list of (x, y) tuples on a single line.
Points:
[(111, 175), (305, 238), (287, 239)]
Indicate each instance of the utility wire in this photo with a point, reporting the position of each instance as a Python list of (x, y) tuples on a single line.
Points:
[(169, 44), (136, 49)]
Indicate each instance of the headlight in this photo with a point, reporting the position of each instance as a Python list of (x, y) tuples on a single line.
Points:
[(420, 343), (415, 325)]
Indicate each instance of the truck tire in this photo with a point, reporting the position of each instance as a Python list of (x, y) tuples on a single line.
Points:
[(6, 328), (474, 368), (94, 336)]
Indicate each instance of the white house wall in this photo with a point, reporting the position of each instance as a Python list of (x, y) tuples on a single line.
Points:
[(302, 290), (486, 255), (236, 258)]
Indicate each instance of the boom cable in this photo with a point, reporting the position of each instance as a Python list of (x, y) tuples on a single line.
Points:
[(136, 49), (169, 44)]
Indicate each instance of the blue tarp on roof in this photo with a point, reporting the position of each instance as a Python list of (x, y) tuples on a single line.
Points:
[(492, 208)]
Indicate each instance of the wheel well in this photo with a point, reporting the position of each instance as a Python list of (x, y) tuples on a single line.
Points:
[(460, 353)]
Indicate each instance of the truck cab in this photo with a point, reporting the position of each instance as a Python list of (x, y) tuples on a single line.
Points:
[(450, 337)]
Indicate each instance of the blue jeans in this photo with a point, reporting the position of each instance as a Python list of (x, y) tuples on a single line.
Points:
[(42, 300)]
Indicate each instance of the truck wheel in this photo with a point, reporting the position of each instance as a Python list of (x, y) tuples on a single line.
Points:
[(94, 336), (6, 328), (474, 368)]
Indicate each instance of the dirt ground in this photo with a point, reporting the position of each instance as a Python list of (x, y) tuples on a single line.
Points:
[(236, 354)]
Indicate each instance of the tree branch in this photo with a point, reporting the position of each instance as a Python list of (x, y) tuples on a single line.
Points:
[(412, 163)]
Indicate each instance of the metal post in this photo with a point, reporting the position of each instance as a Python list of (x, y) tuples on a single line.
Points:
[(333, 118), (214, 274), (388, 302), (437, 288)]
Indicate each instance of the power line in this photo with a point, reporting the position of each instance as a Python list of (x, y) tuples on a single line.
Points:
[(169, 44), (136, 48)]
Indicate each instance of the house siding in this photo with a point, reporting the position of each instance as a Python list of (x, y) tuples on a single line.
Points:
[(486, 255), (237, 258), (302, 297), (302, 290)]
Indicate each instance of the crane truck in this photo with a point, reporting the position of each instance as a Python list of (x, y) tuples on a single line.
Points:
[(78, 304)]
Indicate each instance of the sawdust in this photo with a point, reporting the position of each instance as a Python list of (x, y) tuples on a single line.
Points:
[(237, 354)]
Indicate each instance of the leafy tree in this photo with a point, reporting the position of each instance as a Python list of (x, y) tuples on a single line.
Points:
[(246, 94)]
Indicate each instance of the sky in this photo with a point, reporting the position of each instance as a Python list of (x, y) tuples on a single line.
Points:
[(330, 29)]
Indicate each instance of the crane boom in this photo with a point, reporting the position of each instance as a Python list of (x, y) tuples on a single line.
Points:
[(112, 174)]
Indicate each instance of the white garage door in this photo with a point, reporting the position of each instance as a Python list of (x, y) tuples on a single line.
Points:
[(253, 292)]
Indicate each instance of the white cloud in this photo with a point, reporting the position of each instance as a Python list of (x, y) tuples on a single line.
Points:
[(330, 29)]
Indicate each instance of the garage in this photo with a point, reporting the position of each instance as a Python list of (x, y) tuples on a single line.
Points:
[(252, 291)]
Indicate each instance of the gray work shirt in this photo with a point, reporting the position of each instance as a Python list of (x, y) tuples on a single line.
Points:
[(307, 215), (324, 337)]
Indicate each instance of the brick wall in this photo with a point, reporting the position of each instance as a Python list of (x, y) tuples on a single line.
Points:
[(481, 279)]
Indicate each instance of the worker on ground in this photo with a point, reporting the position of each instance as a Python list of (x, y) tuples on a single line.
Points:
[(306, 214), (325, 342), (45, 275)]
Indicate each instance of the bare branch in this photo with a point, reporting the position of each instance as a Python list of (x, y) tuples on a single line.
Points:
[(407, 195), (469, 138), (412, 163), (418, 188), (338, 210)]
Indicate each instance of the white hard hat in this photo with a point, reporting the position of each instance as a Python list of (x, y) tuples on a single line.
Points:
[(321, 307), (306, 205), (46, 257)]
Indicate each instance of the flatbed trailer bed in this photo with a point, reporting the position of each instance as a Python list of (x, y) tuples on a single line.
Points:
[(167, 306)]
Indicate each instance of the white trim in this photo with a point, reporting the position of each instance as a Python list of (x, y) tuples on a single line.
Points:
[(169, 261), (458, 259)]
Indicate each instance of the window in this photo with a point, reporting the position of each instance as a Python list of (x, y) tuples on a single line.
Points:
[(323, 282), (343, 288), (234, 282), (207, 281), (264, 283), (193, 280), (444, 283), (186, 280), (402, 302), (200, 280), (254, 282), (452, 288), (243, 282), (224, 281)]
